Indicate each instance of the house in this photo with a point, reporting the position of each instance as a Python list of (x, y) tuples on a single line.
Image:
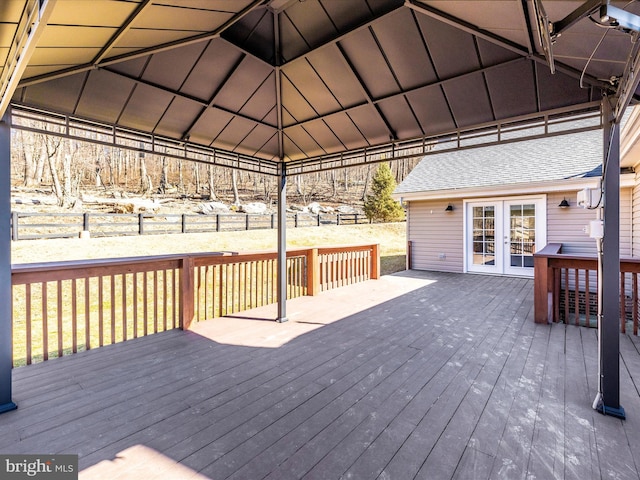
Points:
[(489, 209)]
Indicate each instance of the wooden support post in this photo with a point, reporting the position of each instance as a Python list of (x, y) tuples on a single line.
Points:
[(313, 272), (6, 322), (375, 261), (542, 294), (187, 293)]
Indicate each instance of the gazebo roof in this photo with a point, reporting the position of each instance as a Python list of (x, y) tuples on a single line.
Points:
[(302, 80)]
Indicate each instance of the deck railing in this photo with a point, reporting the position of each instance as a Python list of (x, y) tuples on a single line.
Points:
[(565, 289), (64, 307)]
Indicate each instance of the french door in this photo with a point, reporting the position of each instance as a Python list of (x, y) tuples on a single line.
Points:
[(503, 234)]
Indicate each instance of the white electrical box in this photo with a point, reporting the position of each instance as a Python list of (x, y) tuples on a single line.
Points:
[(589, 197), (595, 229)]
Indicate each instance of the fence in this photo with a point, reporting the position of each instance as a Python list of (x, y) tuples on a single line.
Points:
[(565, 289), (30, 226), (60, 308)]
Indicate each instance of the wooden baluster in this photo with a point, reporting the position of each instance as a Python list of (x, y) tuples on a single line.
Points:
[(113, 309), (634, 297), (87, 314), (587, 299), (155, 301), (145, 295), (74, 314), (60, 319), (135, 304), (566, 295), (165, 291), (623, 313), (45, 323), (125, 326), (576, 296), (101, 311), (28, 323)]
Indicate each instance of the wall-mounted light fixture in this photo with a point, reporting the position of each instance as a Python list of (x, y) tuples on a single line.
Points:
[(564, 203), (449, 208)]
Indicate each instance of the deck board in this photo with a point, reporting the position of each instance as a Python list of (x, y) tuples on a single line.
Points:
[(416, 375)]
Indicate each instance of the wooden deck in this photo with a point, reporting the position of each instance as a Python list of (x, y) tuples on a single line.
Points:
[(416, 375)]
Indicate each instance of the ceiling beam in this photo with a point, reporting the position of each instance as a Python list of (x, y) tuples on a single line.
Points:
[(365, 92), (104, 51), (334, 41), (497, 40), (145, 51), (29, 29), (199, 101), (402, 93)]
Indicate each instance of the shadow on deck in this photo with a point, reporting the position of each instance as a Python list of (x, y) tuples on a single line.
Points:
[(415, 375)]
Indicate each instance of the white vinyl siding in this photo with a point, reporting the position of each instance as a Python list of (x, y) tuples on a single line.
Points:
[(436, 235), (636, 217), (566, 225)]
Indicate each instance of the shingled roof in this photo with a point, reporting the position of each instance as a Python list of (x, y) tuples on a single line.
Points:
[(547, 159)]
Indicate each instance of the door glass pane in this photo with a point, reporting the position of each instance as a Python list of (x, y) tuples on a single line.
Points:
[(522, 235), (484, 235)]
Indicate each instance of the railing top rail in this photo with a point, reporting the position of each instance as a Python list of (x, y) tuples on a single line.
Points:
[(550, 249), (220, 257)]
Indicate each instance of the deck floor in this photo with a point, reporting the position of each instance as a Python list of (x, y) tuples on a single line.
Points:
[(416, 375)]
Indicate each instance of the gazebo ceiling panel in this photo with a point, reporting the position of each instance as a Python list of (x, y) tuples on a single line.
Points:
[(296, 105), (401, 118), (311, 86), (234, 133), (181, 61), (243, 84), (453, 51), (260, 105), (336, 74), (400, 40), (432, 110), (515, 98), (67, 90), (177, 118), (209, 125), (212, 68), (364, 54), (103, 13), (503, 18), (177, 17), (292, 79), (324, 136), (104, 96), (255, 34), (469, 100), (144, 108), (556, 90), (346, 130), (260, 140), (370, 123)]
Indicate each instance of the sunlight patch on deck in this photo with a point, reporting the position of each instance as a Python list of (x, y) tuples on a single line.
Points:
[(140, 461)]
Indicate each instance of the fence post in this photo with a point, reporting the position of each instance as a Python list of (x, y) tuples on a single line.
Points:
[(356, 219), (184, 223), (295, 220), (141, 223), (14, 224), (319, 214), (187, 293), (338, 219), (375, 261), (273, 216), (247, 222), (85, 222), (217, 222), (313, 272)]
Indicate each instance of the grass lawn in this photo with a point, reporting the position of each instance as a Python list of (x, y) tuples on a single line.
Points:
[(390, 236)]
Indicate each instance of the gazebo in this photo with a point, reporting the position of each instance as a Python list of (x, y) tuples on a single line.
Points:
[(287, 87)]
